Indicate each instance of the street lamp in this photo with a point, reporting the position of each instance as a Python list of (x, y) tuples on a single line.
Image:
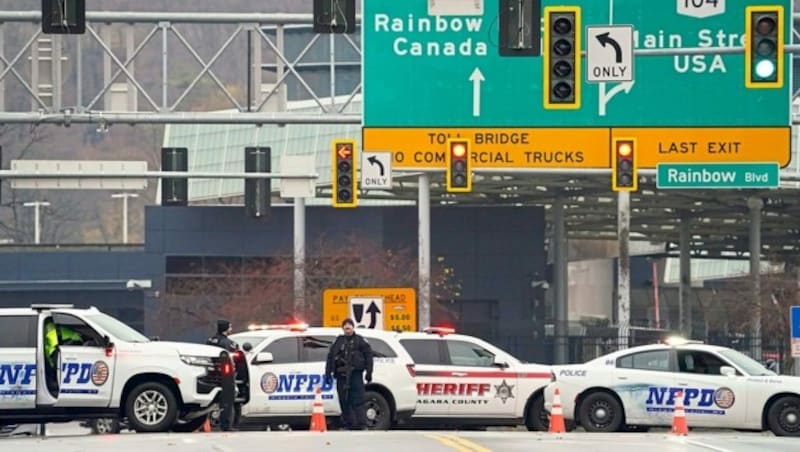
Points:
[(37, 227), (124, 197)]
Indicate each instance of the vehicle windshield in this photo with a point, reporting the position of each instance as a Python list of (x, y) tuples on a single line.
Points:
[(746, 363), (115, 328)]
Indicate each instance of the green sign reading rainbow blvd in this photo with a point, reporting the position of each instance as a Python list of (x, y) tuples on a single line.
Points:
[(423, 70)]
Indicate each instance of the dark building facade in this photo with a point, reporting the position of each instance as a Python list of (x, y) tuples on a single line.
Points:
[(496, 251)]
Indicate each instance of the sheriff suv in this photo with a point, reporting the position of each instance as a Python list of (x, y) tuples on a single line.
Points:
[(102, 368), (286, 364), (465, 381)]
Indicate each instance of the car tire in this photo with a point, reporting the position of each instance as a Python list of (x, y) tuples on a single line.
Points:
[(536, 419), (783, 416), (601, 412), (151, 407), (189, 426), (105, 426), (378, 412)]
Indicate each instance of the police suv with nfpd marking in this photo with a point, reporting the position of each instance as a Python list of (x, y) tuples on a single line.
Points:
[(102, 368), (463, 380), (639, 387), (287, 363)]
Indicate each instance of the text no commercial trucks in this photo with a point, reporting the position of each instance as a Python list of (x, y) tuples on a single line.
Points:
[(286, 364), (102, 368)]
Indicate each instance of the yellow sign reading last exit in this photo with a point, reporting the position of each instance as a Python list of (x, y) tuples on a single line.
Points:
[(393, 309), (580, 147)]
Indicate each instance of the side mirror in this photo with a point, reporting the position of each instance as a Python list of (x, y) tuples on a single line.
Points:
[(154, 338), (728, 371), (247, 346), (501, 364), (107, 341), (263, 358)]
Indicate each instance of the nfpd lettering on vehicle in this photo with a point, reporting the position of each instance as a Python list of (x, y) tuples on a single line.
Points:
[(82, 378), (17, 379), (295, 386), (695, 400)]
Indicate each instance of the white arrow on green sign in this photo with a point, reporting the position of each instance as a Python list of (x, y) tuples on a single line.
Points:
[(423, 70), (717, 175)]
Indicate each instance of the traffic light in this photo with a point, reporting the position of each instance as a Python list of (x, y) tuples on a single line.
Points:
[(257, 192), (764, 49), (520, 30), (562, 58), (624, 175), (334, 16), (459, 172), (174, 190), (64, 17), (345, 190)]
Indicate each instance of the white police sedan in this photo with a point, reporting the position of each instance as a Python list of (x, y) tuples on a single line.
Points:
[(639, 386)]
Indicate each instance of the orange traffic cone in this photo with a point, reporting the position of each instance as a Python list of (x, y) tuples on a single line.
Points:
[(206, 427), (679, 426), (318, 414), (556, 414)]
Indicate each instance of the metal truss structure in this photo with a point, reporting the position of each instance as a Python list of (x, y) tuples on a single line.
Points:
[(52, 79), (59, 85)]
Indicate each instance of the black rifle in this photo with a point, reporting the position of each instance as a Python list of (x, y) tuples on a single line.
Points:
[(347, 368)]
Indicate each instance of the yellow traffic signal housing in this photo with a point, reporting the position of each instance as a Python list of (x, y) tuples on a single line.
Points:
[(459, 168), (624, 171), (562, 58), (343, 174), (763, 55)]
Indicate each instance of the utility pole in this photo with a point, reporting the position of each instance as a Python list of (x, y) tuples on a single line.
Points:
[(37, 226), (125, 197)]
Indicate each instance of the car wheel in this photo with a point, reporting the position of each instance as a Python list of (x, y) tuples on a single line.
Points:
[(600, 412), (784, 416), (151, 407), (536, 419), (105, 426), (379, 415), (189, 426)]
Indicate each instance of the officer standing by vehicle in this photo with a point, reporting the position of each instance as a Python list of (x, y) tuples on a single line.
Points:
[(224, 328), (348, 358)]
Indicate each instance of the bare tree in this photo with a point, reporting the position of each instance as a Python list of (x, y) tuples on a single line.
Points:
[(261, 290), (730, 311), (18, 142)]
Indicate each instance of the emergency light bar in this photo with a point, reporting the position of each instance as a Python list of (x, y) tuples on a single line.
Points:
[(289, 327), (677, 340), (440, 330), (46, 307)]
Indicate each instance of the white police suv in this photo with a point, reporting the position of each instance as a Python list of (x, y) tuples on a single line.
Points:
[(639, 386), (463, 380), (102, 368), (287, 363)]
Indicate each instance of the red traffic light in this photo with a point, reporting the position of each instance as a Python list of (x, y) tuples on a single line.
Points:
[(624, 174), (458, 149), (624, 149)]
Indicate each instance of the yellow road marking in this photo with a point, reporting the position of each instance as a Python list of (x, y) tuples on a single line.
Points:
[(459, 444), (474, 446)]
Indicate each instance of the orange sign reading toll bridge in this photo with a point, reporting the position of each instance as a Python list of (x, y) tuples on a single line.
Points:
[(580, 147)]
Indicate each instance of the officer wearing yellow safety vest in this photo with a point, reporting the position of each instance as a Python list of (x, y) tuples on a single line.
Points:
[(53, 336)]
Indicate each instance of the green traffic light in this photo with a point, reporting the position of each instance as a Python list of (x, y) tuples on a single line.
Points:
[(765, 69)]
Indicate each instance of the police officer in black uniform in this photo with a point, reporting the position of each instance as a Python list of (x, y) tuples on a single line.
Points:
[(221, 340), (349, 358)]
